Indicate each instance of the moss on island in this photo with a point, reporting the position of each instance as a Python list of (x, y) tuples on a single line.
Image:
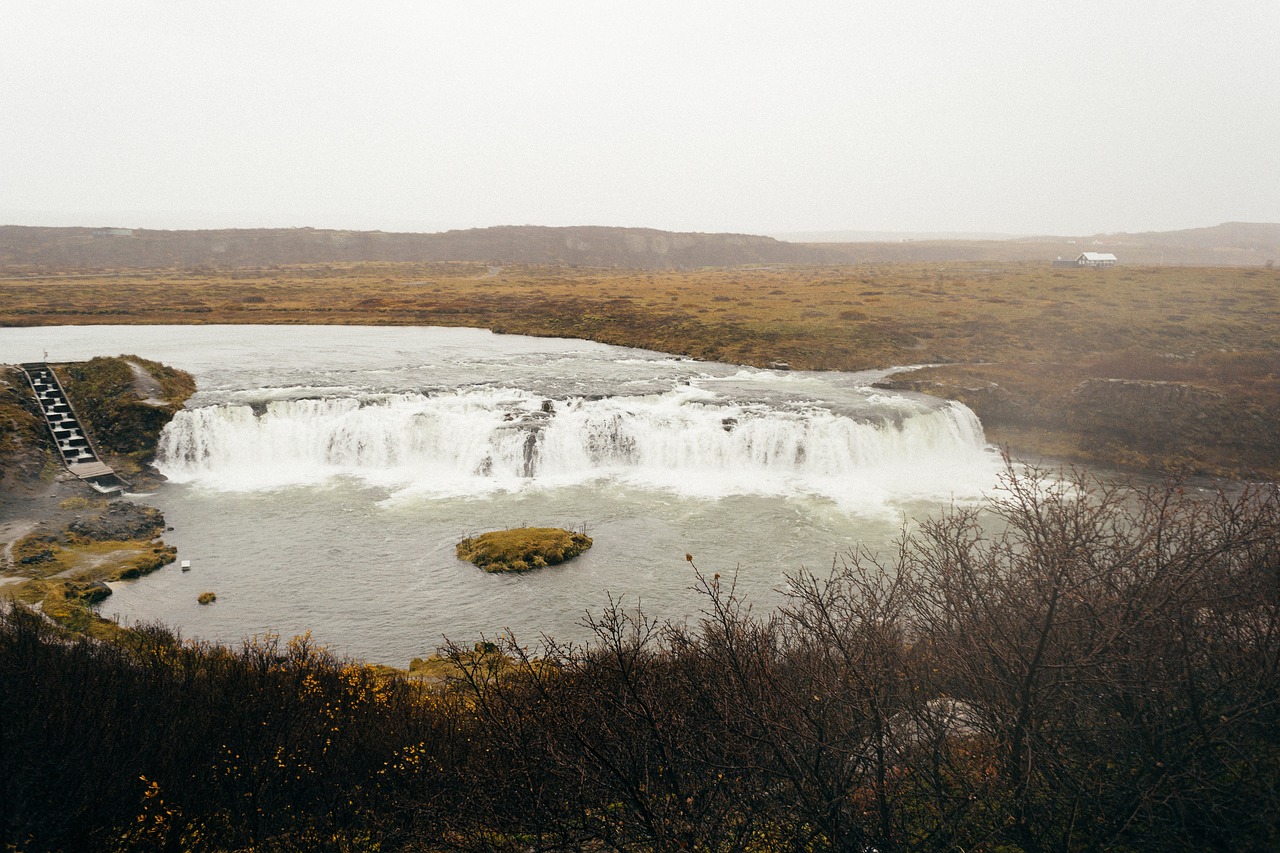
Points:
[(126, 400), (522, 549)]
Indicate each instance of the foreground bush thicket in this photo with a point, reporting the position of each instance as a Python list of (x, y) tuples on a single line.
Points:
[(1077, 667)]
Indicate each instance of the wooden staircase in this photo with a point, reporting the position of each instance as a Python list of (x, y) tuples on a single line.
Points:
[(73, 444)]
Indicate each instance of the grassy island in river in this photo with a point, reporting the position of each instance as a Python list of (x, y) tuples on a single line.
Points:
[(522, 549)]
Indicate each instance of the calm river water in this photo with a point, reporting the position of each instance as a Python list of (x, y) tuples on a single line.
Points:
[(321, 476)]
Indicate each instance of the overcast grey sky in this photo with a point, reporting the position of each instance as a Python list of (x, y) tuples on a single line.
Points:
[(909, 115)]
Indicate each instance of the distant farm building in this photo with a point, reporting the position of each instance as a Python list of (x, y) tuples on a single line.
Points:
[(1088, 259), (1096, 259)]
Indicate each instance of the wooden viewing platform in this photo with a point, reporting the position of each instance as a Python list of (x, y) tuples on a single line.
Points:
[(74, 446)]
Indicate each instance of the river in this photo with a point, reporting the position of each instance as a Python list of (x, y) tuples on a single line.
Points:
[(321, 476)]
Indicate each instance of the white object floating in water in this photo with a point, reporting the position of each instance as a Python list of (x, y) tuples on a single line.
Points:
[(186, 565)]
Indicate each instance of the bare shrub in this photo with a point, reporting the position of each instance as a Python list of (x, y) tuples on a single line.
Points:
[(1077, 665)]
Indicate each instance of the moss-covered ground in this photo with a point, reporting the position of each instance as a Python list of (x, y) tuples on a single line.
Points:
[(125, 402), (68, 577)]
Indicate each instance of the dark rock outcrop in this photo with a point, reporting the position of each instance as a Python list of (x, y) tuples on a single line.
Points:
[(992, 402), (1139, 424), (1145, 413), (1164, 417), (119, 521)]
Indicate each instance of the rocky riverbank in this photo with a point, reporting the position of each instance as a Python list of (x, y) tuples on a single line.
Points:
[(1209, 416)]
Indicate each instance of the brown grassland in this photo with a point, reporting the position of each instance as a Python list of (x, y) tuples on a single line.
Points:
[(1196, 350)]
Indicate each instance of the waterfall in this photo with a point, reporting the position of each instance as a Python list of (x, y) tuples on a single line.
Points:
[(470, 441)]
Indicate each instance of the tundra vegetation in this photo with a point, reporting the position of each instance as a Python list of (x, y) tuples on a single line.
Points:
[(1144, 368), (1079, 665)]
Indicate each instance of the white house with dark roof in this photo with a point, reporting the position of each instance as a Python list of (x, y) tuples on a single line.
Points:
[(1096, 259)]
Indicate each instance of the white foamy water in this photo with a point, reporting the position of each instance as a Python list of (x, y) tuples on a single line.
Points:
[(689, 441), (321, 476)]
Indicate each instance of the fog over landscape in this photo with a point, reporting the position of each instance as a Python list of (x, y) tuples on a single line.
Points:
[(767, 118)]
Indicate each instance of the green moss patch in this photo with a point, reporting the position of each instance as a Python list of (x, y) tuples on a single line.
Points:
[(46, 556), (522, 549), (68, 578), (36, 549)]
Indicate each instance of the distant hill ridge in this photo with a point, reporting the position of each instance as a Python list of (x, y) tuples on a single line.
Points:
[(643, 248), (1263, 236), (34, 249)]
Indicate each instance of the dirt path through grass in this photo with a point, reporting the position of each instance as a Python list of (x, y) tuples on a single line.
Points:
[(10, 532), (145, 385)]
